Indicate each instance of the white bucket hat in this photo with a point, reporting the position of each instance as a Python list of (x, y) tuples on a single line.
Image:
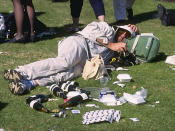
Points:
[(125, 27)]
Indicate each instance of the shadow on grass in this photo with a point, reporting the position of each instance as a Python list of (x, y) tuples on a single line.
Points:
[(160, 57), (62, 31), (140, 18), (59, 0), (3, 105), (144, 17), (5, 14)]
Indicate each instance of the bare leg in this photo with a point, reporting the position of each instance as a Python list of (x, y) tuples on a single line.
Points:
[(31, 15), (19, 16)]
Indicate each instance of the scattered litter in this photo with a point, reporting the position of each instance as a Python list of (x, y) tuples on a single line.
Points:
[(142, 93), (137, 98), (116, 82), (157, 102), (71, 94), (121, 101), (121, 69), (104, 81), (92, 105), (53, 129), (119, 84), (134, 119), (95, 91), (134, 87), (108, 98), (124, 77), (173, 69), (95, 99), (109, 115), (52, 99), (3, 53), (60, 114), (79, 106), (1, 129), (76, 111), (151, 105), (110, 67), (68, 108), (170, 60)]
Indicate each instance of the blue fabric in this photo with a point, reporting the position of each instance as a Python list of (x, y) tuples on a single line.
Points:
[(98, 7), (28, 84)]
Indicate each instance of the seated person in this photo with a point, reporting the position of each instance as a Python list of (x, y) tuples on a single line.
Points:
[(72, 55)]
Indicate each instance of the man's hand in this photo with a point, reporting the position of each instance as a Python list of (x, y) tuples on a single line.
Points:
[(119, 46), (134, 28)]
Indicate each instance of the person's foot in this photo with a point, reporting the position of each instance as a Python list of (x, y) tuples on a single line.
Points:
[(17, 88), (18, 40), (12, 75), (21, 87), (161, 11), (129, 13)]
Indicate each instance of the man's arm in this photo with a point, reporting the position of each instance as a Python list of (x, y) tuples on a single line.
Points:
[(119, 46)]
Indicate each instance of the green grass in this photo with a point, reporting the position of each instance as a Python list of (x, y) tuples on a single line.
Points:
[(157, 77)]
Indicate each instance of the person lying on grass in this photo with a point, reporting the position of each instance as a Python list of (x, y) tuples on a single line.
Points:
[(100, 37)]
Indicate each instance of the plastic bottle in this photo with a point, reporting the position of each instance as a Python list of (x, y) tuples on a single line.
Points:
[(104, 81)]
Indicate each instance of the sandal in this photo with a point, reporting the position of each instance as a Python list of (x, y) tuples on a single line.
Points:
[(14, 40)]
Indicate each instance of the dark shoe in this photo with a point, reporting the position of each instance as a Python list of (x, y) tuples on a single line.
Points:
[(33, 38), (129, 13), (21, 40), (161, 11), (12, 75)]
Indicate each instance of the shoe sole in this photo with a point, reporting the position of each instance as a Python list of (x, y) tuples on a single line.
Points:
[(16, 88), (12, 75)]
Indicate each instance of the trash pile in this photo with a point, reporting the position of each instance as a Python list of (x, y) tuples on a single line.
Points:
[(73, 95), (109, 98)]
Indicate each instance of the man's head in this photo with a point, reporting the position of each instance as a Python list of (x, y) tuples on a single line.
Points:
[(123, 32)]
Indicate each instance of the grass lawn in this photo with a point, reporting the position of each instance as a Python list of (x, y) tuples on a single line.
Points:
[(157, 77)]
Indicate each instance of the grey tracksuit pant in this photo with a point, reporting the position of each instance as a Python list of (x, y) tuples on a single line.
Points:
[(69, 63)]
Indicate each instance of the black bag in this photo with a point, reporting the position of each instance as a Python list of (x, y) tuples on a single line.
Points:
[(123, 59)]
